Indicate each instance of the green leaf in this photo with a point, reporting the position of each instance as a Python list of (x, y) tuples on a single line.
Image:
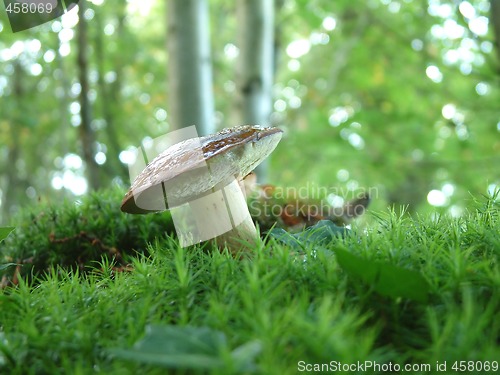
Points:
[(386, 279), (245, 354), (4, 232), (286, 238), (187, 347), (176, 361), (323, 232), (6, 265)]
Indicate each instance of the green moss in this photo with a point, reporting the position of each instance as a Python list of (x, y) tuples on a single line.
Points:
[(299, 307), (78, 235)]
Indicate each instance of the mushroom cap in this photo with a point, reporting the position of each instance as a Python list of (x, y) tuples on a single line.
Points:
[(198, 166)]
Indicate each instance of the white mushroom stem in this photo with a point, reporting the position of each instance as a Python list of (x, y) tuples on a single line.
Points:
[(222, 215), (242, 237)]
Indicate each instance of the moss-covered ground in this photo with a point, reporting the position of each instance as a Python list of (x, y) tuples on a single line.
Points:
[(88, 281)]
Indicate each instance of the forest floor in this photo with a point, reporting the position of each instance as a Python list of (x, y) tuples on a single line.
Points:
[(418, 295)]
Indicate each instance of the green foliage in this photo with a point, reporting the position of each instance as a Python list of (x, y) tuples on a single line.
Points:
[(6, 265), (383, 278), (369, 66), (4, 232), (189, 347), (386, 279), (323, 232), (77, 235)]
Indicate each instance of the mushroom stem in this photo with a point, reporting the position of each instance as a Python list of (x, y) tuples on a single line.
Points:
[(241, 238), (243, 234), (222, 215)]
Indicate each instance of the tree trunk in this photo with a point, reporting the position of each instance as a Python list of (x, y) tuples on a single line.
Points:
[(13, 184), (495, 21), (64, 123), (110, 94), (256, 64), (87, 136), (191, 99)]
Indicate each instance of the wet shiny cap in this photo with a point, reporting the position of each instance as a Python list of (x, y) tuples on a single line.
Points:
[(195, 167)]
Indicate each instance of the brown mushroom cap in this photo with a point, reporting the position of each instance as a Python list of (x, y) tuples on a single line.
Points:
[(183, 172)]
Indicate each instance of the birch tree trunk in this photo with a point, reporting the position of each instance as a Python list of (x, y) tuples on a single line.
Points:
[(495, 21), (255, 71), (87, 136), (191, 99), (12, 182), (64, 124), (110, 94)]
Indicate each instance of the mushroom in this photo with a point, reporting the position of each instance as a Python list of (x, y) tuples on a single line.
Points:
[(199, 179)]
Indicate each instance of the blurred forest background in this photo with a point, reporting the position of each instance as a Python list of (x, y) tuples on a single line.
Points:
[(397, 95)]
